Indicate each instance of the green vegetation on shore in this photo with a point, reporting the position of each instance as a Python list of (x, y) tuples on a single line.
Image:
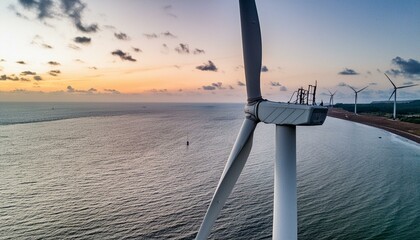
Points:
[(406, 111)]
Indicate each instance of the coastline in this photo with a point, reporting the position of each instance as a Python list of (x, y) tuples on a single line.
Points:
[(404, 129)]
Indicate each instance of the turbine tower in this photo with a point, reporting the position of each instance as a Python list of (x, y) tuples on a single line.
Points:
[(355, 96), (285, 116), (331, 103), (395, 95)]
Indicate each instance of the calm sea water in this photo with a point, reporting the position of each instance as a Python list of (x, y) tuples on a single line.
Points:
[(121, 171)]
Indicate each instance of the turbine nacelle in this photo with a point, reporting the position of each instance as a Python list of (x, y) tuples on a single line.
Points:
[(286, 113)]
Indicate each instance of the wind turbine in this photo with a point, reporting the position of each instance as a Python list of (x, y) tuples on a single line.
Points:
[(285, 116), (355, 96), (395, 95), (331, 103)]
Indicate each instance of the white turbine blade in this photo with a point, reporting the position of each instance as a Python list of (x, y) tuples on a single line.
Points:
[(390, 81), (406, 86), (392, 94), (233, 169), (362, 89), (252, 49), (334, 92), (352, 88)]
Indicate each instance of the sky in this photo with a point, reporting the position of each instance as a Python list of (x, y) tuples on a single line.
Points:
[(191, 50)]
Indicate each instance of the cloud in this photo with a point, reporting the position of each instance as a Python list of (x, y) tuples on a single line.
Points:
[(159, 90), (230, 87), (373, 84), (54, 72), (218, 85), (24, 73), (241, 84), (150, 35), (123, 55), (168, 34), (264, 69), (275, 84), (348, 71), (11, 77), (207, 67), (342, 84), (70, 89), (44, 45), (409, 68), (113, 91), (37, 78), (137, 49), (283, 88), (72, 9), (199, 51), (183, 48), (53, 63), (209, 88), (82, 40), (121, 36), (21, 62), (75, 47), (94, 68), (168, 10)]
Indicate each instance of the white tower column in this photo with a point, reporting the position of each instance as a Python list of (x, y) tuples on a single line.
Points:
[(395, 104), (285, 197)]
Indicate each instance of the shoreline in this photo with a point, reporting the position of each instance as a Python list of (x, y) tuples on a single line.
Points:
[(404, 129)]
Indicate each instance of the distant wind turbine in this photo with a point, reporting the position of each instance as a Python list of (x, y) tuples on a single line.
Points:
[(395, 95), (331, 103), (355, 96), (285, 116)]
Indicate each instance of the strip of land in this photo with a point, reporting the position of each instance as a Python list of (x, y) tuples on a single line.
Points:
[(403, 129)]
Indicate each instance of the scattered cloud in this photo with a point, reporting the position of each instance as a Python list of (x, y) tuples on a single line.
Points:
[(74, 47), (150, 35), (218, 85), (25, 73), (207, 67), (283, 88), (373, 84), (408, 68), (230, 87), (12, 77), (21, 62), (82, 40), (342, 84), (241, 84), (37, 78), (72, 9), (53, 63), (44, 45), (348, 71), (264, 69), (199, 51), (54, 72), (183, 48), (168, 34), (113, 91), (94, 68), (159, 90), (121, 36), (209, 88), (137, 49), (168, 10), (123, 55), (275, 84), (70, 89)]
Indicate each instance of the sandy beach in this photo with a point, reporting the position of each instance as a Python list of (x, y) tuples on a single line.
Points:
[(404, 129)]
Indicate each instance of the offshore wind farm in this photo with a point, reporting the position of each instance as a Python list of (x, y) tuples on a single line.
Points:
[(117, 120)]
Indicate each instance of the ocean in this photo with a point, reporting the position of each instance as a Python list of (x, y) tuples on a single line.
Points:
[(124, 171)]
